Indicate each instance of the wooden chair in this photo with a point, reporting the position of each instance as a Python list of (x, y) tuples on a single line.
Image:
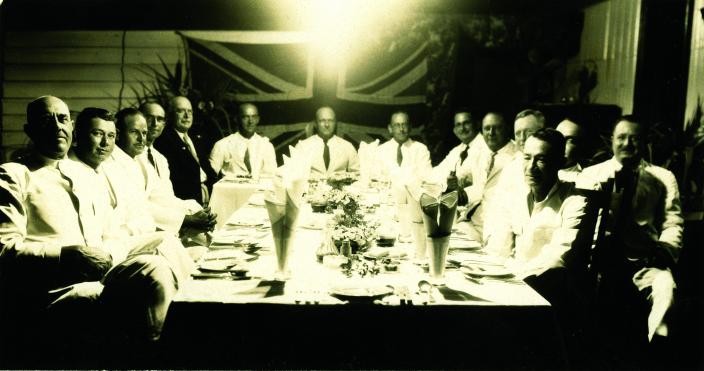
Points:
[(591, 238)]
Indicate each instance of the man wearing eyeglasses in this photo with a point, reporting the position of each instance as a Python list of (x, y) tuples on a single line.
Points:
[(244, 153), (406, 163), (401, 156), (170, 213), (56, 247), (645, 225), (156, 120), (183, 153)]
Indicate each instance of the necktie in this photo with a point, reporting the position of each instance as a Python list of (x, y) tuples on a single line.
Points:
[(491, 163), (247, 161), (189, 146), (399, 155), (151, 160), (463, 155), (326, 155)]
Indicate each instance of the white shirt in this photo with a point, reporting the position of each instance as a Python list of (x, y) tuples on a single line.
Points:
[(161, 165), (570, 174), (227, 156), (415, 163), (192, 148), (167, 210), (656, 203), (50, 207), (343, 156), (451, 162), (537, 239), (484, 189)]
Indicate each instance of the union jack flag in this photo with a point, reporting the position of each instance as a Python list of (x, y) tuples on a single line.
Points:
[(277, 71)]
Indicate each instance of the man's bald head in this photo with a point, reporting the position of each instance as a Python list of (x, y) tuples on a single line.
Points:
[(49, 126), (325, 122), (526, 123), (574, 136), (248, 118)]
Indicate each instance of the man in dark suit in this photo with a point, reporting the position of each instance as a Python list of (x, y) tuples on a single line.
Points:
[(187, 175)]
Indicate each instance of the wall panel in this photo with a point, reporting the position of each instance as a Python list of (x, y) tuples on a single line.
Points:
[(695, 82), (610, 42), (81, 67)]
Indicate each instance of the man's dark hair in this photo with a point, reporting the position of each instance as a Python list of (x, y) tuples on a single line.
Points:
[(123, 114), (84, 118), (498, 114), (144, 105), (630, 118), (531, 112), (400, 112), (554, 138), (476, 124)]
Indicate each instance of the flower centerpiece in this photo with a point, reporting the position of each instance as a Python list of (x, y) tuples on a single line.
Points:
[(348, 221)]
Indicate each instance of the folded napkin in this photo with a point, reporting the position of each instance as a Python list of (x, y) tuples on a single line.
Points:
[(439, 213), (368, 160), (283, 203)]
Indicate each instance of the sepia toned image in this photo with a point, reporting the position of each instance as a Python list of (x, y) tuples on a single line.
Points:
[(351, 184)]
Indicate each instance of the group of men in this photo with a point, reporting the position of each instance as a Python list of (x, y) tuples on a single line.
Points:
[(101, 219)]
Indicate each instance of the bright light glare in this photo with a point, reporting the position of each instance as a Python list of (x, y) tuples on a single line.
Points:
[(333, 25)]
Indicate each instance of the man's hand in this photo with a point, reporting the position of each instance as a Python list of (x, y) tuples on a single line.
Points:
[(83, 290), (83, 263), (203, 220), (452, 182), (462, 198), (464, 181)]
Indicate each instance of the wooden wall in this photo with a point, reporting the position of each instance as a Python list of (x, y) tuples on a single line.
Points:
[(695, 83), (84, 68), (610, 40)]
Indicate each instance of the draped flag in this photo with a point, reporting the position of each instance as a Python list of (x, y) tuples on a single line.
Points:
[(276, 70)]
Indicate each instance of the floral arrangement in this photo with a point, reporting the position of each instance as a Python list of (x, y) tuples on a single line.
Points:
[(348, 221)]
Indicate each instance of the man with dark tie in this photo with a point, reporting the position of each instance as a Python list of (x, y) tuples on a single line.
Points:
[(330, 154), (180, 150), (56, 249), (244, 153), (170, 213), (467, 130), (645, 228), (156, 120), (485, 162), (401, 156)]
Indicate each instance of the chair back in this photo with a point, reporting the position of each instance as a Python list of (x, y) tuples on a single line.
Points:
[(591, 237)]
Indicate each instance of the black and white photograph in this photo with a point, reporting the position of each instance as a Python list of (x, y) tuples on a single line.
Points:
[(352, 184)]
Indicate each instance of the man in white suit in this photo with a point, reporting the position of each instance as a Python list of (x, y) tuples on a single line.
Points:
[(467, 129), (485, 164), (244, 153), (170, 213), (406, 163), (156, 120), (53, 219), (329, 153)]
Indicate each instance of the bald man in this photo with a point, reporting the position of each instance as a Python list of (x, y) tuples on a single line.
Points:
[(182, 152), (244, 153), (330, 153), (480, 177), (574, 149), (56, 245)]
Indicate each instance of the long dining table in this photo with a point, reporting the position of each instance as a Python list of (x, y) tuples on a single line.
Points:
[(247, 318)]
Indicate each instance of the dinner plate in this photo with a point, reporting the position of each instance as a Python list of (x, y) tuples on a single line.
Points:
[(486, 271), (221, 266), (312, 226), (361, 294)]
